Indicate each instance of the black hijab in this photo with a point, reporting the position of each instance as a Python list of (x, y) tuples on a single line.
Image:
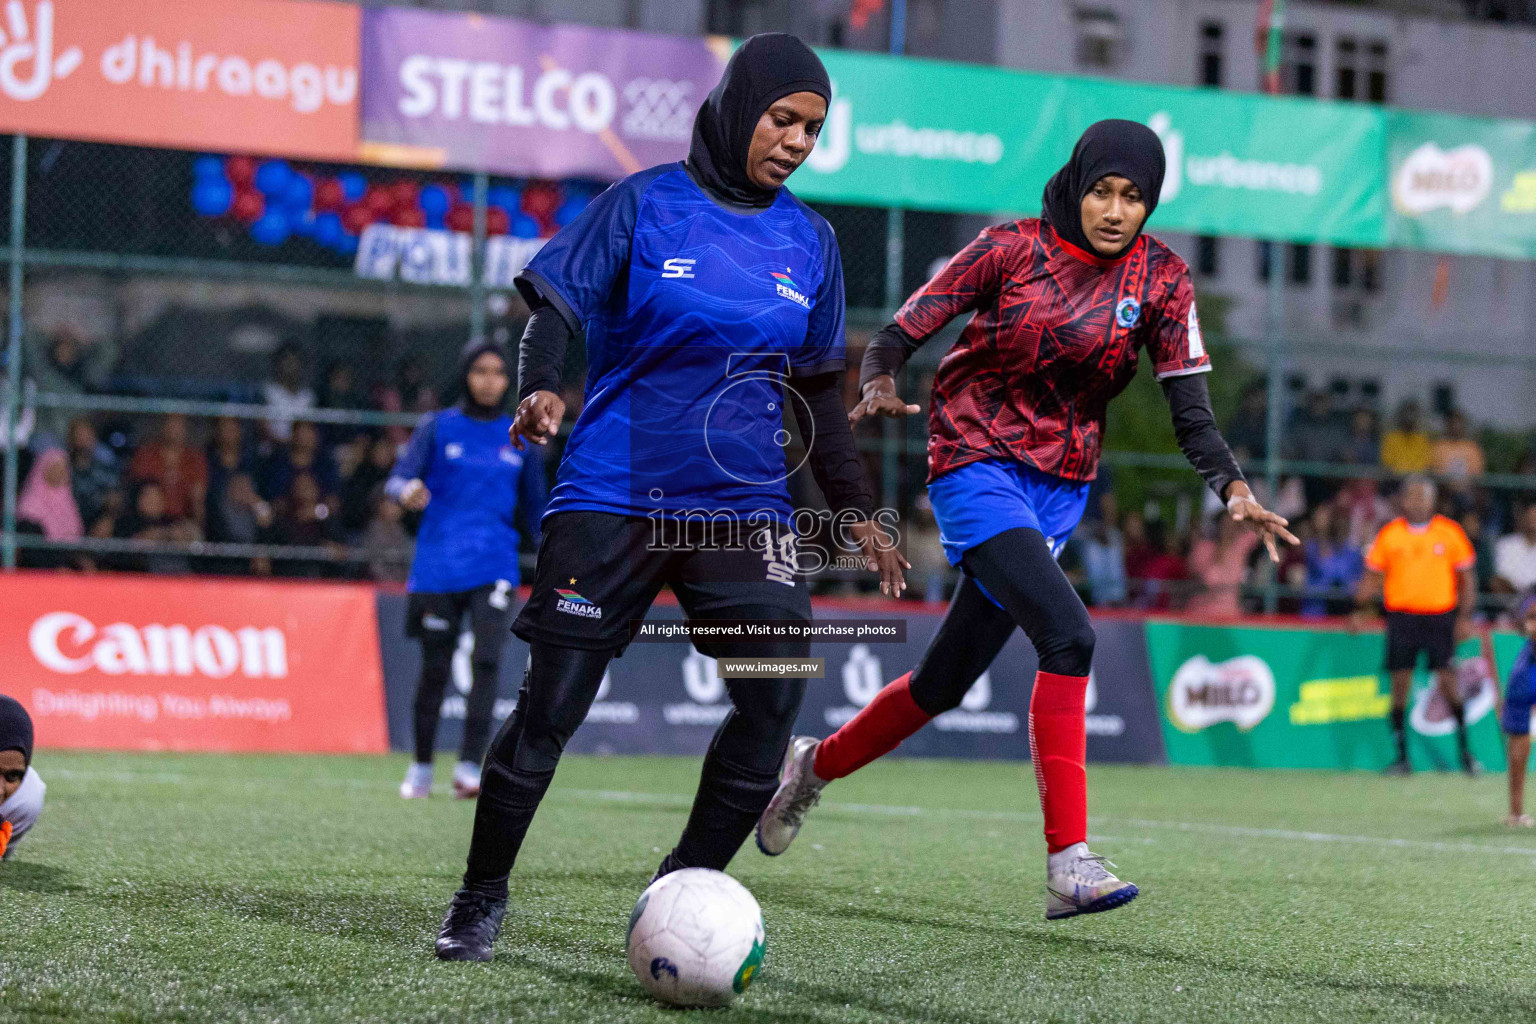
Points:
[(474, 350), (765, 69), (15, 728), (1126, 148)]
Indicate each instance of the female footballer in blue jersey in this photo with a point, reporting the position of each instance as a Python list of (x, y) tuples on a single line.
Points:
[(1062, 306), (1519, 696), (709, 297), (471, 487)]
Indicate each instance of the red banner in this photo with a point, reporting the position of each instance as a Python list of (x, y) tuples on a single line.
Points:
[(141, 663), (276, 77)]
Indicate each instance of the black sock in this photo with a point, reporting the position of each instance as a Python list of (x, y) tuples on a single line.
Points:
[(730, 800), (557, 692), (1400, 732), (436, 667)]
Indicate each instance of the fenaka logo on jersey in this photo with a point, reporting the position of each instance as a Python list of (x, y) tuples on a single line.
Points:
[(1127, 313), (572, 603), (1240, 690), (788, 290)]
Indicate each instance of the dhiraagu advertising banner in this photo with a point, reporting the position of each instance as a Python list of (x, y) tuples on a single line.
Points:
[(1234, 696), (942, 136), (1463, 184)]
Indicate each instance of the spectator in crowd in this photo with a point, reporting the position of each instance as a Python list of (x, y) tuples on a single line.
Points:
[(228, 456), (305, 519), (357, 497), (302, 454), (339, 390), (925, 551), (1362, 447), (1334, 562), (1457, 458), (388, 545), (62, 362), (1317, 435), (1154, 562), (179, 469), (1406, 448), (1101, 548), (47, 500), (409, 392), (1514, 556), (287, 392), (148, 518), (1248, 430), (93, 471), (1219, 566)]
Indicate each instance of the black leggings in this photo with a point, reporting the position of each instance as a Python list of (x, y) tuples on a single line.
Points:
[(437, 650), (1018, 569), (739, 776)]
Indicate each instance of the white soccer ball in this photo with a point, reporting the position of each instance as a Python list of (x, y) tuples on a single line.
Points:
[(696, 938)]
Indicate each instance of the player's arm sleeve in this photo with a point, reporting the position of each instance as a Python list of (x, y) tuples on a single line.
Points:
[(532, 495), (833, 456), (825, 349), (541, 355), (972, 278), (1177, 347), (887, 352), (1464, 555), (1376, 555), (575, 272), (1194, 425), (411, 463)]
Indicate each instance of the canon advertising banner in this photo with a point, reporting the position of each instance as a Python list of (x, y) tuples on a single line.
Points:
[(139, 663), (666, 698)]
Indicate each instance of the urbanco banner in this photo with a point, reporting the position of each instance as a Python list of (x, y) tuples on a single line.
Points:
[(144, 663), (667, 698), (251, 76)]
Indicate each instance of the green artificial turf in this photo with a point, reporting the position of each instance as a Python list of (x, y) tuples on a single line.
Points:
[(302, 889)]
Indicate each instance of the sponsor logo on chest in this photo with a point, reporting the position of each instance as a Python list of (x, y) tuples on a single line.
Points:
[(789, 290)]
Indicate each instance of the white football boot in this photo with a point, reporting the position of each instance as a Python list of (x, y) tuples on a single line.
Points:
[(799, 791), (1077, 881), (466, 780), (418, 782)]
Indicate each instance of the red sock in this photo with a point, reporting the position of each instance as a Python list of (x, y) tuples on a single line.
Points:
[(1058, 744), (872, 733)]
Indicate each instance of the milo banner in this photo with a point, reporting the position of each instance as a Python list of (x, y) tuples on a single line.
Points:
[(1309, 698), (666, 698), (1237, 164), (1463, 184)]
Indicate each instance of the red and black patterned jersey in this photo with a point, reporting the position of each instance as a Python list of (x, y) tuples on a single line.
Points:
[(1056, 334)]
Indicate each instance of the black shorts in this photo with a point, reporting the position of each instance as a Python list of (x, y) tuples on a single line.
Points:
[(598, 572), (434, 616), (1408, 634)]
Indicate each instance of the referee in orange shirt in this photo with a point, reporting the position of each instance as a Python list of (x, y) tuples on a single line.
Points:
[(1421, 563)]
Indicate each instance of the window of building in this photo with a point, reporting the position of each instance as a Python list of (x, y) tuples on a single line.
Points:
[(1263, 260), (1211, 47), (1376, 72), (1346, 68), (1207, 256), (1299, 73), (1299, 264), (1356, 270), (1100, 39)]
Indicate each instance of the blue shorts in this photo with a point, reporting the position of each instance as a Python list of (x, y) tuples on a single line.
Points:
[(1518, 699), (980, 500)]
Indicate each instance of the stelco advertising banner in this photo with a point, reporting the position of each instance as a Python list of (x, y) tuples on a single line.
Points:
[(936, 135), (187, 664), (666, 698), (254, 76), (563, 101), (1300, 698), (1463, 184)]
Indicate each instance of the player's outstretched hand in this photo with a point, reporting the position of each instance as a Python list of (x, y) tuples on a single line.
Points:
[(881, 556), (537, 418), (413, 497), (1245, 508), (879, 398)]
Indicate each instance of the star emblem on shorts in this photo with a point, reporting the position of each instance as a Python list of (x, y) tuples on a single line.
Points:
[(573, 582)]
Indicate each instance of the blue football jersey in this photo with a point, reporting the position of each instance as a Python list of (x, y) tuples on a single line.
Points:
[(697, 319), (480, 485)]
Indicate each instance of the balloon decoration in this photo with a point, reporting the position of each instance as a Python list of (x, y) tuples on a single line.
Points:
[(279, 203)]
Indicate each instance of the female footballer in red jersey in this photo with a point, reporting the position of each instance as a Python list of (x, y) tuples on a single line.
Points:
[(1063, 304)]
